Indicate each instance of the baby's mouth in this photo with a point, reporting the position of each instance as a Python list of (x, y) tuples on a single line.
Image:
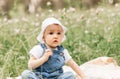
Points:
[(55, 41)]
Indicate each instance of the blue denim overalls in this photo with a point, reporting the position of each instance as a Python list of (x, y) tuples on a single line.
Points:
[(52, 69)]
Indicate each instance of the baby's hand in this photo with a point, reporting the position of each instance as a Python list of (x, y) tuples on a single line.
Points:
[(48, 53)]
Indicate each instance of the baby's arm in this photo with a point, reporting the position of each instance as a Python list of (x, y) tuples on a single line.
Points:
[(34, 62), (76, 68)]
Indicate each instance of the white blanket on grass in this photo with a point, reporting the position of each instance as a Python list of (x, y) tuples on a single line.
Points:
[(99, 68)]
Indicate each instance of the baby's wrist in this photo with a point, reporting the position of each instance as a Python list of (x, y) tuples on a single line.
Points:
[(45, 58)]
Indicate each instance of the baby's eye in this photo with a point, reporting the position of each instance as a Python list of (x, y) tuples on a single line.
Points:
[(51, 33), (59, 33)]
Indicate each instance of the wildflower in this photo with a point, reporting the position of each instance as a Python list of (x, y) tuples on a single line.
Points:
[(116, 5), (24, 19), (37, 24), (109, 40), (113, 14), (71, 9), (98, 10), (49, 3), (5, 19), (9, 21), (86, 31), (22, 57), (15, 20), (111, 1), (109, 28), (88, 21), (50, 10), (17, 31), (100, 21), (82, 16)]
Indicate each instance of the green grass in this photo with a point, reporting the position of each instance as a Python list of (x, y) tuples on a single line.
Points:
[(91, 33)]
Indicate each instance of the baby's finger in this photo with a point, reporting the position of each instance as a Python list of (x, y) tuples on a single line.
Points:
[(49, 51)]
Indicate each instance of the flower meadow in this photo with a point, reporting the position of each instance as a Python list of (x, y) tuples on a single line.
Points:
[(91, 33)]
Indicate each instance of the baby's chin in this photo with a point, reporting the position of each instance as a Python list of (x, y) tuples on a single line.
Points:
[(51, 46), (54, 46)]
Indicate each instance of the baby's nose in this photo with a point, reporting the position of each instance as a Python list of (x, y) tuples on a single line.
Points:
[(55, 35)]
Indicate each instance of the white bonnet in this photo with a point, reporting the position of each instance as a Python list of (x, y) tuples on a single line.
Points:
[(45, 24)]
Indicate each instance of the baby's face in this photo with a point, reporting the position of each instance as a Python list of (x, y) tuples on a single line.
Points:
[(53, 35)]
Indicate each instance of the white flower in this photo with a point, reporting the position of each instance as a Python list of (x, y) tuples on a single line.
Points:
[(49, 3), (24, 19), (17, 31), (37, 24), (71, 9), (86, 31)]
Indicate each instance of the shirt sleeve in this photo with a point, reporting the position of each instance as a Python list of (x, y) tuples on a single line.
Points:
[(67, 55), (36, 51)]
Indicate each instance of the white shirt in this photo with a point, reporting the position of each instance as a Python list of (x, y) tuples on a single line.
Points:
[(37, 52)]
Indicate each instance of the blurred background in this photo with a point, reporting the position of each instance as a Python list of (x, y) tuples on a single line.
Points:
[(36, 6), (93, 30)]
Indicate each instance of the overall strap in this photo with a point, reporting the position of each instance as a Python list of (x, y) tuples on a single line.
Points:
[(44, 47), (42, 68), (61, 48)]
